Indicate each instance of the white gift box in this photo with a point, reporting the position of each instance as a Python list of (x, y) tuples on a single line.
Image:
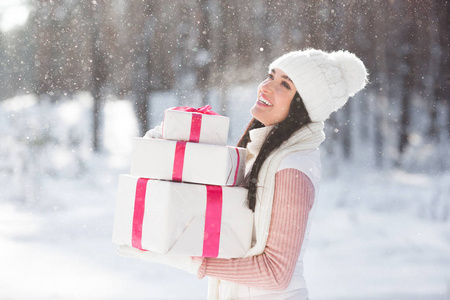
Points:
[(188, 162), (195, 127), (181, 218)]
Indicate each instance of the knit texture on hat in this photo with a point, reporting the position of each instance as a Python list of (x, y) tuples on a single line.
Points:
[(323, 80)]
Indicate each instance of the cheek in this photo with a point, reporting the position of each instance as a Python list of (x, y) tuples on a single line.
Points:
[(283, 113), (286, 102)]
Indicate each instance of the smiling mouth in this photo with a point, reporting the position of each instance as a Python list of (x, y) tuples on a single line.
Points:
[(264, 101)]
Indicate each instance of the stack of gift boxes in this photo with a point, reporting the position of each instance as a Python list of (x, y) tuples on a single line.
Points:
[(183, 194)]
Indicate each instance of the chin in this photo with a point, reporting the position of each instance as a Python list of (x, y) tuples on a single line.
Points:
[(259, 115), (255, 114), (253, 111)]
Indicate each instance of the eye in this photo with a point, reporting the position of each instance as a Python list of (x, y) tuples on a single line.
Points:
[(286, 85), (270, 76)]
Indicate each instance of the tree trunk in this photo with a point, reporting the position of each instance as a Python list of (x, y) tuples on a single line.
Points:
[(346, 132), (141, 45), (382, 84), (442, 88), (99, 76), (408, 81), (203, 52)]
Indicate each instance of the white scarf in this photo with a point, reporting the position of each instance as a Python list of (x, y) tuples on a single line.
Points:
[(308, 137)]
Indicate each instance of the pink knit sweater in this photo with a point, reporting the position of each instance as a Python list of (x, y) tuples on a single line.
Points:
[(273, 269)]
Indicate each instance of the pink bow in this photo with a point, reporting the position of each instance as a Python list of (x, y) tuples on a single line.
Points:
[(206, 110)]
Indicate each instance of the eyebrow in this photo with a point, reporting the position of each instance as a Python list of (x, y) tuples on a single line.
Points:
[(283, 76)]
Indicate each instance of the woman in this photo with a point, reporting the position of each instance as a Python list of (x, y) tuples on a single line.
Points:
[(283, 167)]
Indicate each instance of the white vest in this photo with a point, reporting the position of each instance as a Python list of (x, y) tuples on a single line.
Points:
[(308, 162)]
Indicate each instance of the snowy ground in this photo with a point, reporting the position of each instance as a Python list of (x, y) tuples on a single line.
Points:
[(374, 236)]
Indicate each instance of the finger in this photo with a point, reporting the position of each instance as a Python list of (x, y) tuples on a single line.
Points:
[(128, 251)]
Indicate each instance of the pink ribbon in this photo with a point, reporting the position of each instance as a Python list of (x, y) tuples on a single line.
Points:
[(178, 162), (237, 166), (138, 216), (196, 126), (213, 219)]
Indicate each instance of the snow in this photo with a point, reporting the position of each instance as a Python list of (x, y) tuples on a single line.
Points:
[(376, 235)]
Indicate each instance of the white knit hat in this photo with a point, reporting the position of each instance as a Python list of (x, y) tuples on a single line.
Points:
[(323, 80)]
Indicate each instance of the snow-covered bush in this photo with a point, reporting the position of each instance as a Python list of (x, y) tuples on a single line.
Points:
[(41, 140)]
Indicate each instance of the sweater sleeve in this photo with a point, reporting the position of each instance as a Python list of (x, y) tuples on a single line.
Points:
[(273, 269)]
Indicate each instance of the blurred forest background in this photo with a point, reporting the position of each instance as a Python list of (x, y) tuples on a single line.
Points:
[(135, 49)]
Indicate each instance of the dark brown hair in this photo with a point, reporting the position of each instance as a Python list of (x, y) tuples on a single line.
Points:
[(296, 119)]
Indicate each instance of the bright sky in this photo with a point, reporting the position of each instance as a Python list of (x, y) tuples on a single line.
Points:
[(13, 13)]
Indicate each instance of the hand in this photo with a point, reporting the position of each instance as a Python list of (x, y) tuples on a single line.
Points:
[(128, 251), (155, 133), (182, 262)]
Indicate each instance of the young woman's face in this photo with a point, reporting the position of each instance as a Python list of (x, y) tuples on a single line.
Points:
[(275, 95)]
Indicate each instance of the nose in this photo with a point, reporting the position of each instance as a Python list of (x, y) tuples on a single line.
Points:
[(267, 86)]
